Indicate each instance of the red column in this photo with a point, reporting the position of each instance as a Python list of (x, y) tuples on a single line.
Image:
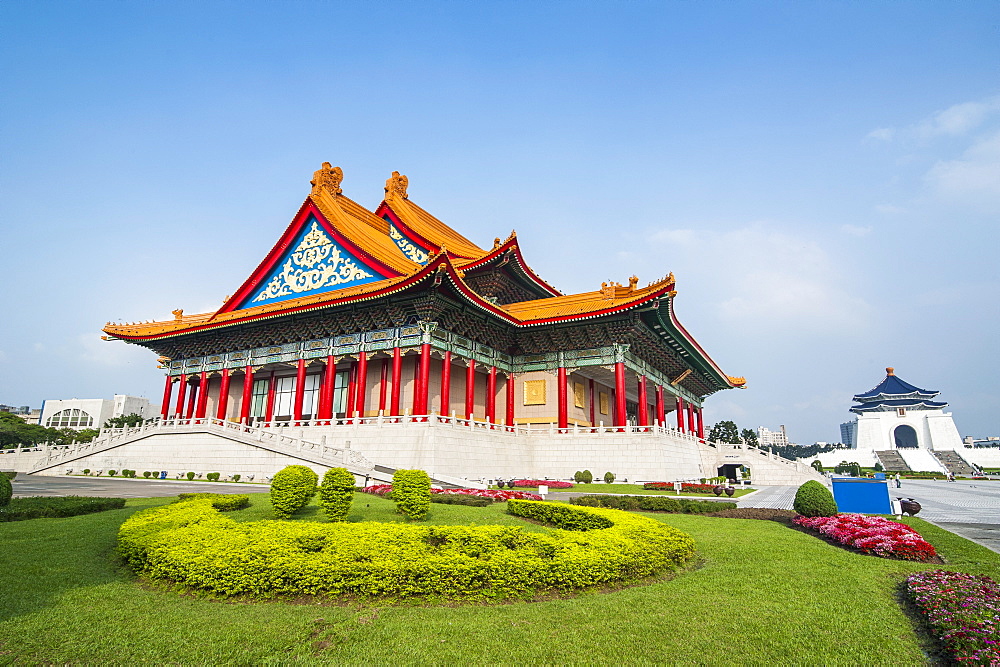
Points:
[(423, 380), (181, 394), (701, 425), (329, 380), (446, 384), (203, 396), (510, 399), (620, 418), (590, 390), (661, 410), (351, 391), (397, 379), (165, 405), (470, 389), (563, 407), (643, 412), (361, 383), (192, 399), (300, 390), (690, 411), (272, 387), (680, 414), (220, 413), (491, 395), (383, 382), (247, 395)]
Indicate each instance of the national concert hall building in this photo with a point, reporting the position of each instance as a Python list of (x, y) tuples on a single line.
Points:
[(388, 340)]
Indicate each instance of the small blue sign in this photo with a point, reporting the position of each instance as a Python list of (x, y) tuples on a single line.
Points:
[(863, 496), (880, 475)]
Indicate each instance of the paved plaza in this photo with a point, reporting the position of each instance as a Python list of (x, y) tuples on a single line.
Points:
[(118, 487)]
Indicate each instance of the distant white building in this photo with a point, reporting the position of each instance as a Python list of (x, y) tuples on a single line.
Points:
[(768, 438), (80, 413)]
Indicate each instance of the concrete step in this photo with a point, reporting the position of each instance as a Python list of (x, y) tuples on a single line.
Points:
[(892, 461)]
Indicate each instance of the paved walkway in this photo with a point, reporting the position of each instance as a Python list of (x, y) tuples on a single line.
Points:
[(112, 487)]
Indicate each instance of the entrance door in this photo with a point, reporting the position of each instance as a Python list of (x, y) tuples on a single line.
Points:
[(905, 436)]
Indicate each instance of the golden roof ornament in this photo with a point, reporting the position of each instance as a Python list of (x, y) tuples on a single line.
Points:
[(890, 370), (178, 314), (396, 186), (327, 178)]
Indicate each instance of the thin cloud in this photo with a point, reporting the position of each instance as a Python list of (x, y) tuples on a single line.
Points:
[(972, 179), (955, 121), (855, 230)]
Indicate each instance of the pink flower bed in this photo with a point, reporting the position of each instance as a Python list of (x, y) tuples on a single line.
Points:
[(494, 494), (551, 483), (963, 611), (872, 535)]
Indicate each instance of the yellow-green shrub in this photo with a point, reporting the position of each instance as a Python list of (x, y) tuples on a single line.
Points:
[(292, 487), (224, 502), (411, 491), (193, 544), (336, 493)]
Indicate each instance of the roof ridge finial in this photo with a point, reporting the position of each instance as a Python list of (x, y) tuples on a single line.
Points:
[(327, 178), (396, 185), (889, 370)]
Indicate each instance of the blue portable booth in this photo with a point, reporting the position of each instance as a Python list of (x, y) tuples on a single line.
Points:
[(864, 496)]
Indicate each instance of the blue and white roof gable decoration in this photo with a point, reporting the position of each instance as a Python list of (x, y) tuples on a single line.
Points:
[(893, 393), (411, 250), (314, 263)]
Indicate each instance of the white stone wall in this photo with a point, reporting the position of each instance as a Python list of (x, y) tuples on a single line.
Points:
[(935, 429)]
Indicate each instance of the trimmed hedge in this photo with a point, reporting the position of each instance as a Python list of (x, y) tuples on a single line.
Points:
[(456, 499), (40, 507), (291, 489), (653, 504), (192, 544), (224, 502), (813, 499), (336, 493), (6, 490), (10, 474), (411, 491)]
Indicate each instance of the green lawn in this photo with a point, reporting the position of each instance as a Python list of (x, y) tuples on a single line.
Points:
[(761, 593)]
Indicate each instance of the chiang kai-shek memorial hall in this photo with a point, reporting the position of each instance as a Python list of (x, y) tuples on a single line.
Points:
[(385, 339)]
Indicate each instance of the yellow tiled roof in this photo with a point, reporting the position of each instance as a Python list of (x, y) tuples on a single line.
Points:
[(433, 230), (609, 296)]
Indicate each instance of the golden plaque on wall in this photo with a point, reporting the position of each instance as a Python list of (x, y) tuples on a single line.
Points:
[(534, 392), (578, 394), (604, 403)]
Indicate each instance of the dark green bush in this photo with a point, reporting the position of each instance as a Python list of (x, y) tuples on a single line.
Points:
[(236, 478), (11, 474), (336, 493), (6, 490), (190, 476), (55, 507), (224, 502), (411, 491), (147, 474), (609, 477), (586, 477), (86, 471), (192, 544), (814, 499), (653, 504), (112, 473), (291, 489), (578, 477), (458, 499), (212, 477)]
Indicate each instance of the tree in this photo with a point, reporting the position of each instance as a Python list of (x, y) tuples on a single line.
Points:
[(817, 465), (749, 437), (123, 421), (725, 431)]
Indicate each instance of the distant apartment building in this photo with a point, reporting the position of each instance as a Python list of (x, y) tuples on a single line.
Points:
[(768, 438), (848, 434), (80, 413)]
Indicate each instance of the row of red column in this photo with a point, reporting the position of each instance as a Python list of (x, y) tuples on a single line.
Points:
[(195, 398)]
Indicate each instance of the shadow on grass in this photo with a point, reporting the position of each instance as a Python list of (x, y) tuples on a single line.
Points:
[(44, 558)]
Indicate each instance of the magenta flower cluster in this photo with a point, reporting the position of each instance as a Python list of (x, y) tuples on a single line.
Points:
[(963, 611), (551, 483), (872, 535), (494, 494)]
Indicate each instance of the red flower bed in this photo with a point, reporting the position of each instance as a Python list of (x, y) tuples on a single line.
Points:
[(963, 611), (495, 494), (685, 488), (872, 535), (535, 483)]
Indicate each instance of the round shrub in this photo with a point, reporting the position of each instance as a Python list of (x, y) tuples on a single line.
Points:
[(146, 474), (6, 490), (586, 477), (336, 493), (609, 477), (291, 488), (411, 490), (814, 499), (191, 543), (190, 476)]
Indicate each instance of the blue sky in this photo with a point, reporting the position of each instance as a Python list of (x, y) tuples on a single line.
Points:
[(822, 178)]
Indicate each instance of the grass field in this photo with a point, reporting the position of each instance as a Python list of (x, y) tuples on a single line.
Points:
[(761, 593)]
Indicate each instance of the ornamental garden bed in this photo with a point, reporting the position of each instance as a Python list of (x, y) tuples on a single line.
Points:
[(192, 544), (962, 612), (52, 507), (871, 535)]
